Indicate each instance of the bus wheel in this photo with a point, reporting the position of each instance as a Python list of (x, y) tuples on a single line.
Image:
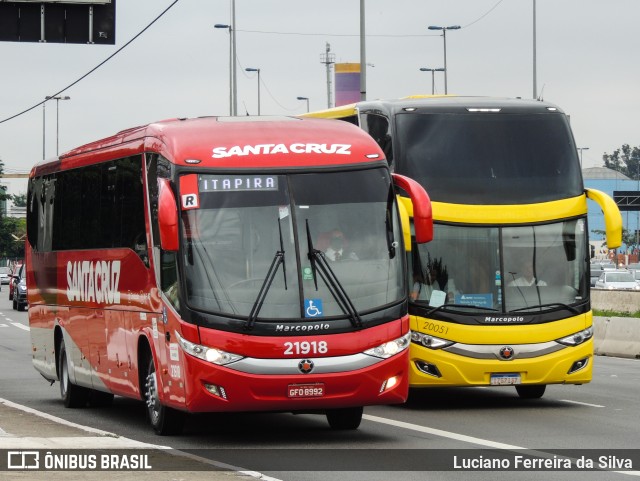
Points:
[(73, 396), (344, 419), (531, 392), (163, 419)]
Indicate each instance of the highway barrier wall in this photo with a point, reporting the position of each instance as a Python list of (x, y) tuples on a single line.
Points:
[(616, 336), (618, 301)]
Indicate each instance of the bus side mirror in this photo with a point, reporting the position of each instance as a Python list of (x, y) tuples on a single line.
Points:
[(167, 216), (421, 206)]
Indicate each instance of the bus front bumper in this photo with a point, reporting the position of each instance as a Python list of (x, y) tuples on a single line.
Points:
[(440, 367), (218, 388)]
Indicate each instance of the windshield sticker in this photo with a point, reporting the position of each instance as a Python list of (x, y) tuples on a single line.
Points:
[(478, 300), (313, 308), (239, 183), (266, 149), (189, 198), (307, 274)]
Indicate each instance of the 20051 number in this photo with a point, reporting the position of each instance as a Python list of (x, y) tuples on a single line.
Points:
[(305, 347), (436, 328)]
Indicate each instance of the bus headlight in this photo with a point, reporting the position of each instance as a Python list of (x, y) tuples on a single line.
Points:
[(390, 348), (431, 342), (577, 338), (209, 354)]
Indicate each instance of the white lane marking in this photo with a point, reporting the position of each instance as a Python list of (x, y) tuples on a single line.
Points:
[(459, 437), (441, 433), (3, 325), (21, 326), (582, 403), (123, 442), (56, 419)]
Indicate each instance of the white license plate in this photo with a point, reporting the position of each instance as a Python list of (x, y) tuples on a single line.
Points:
[(505, 379), (305, 390)]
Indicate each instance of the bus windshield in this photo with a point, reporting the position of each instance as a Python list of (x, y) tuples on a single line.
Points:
[(252, 235), (524, 269), (493, 157)]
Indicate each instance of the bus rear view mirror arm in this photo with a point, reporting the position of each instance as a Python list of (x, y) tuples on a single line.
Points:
[(422, 215)]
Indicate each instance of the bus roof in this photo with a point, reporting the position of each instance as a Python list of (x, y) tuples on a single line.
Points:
[(231, 142), (452, 103)]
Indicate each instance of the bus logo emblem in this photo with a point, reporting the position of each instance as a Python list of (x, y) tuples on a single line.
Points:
[(507, 353), (305, 366)]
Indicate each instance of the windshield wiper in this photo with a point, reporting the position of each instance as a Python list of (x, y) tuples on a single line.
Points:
[(278, 259), (319, 264), (552, 304)]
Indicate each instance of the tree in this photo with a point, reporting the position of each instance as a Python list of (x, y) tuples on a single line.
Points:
[(12, 237), (20, 200), (12, 231), (628, 237), (625, 160)]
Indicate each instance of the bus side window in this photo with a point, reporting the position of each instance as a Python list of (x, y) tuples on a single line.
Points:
[(378, 127)]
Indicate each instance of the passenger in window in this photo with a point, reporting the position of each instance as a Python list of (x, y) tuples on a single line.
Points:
[(379, 129), (434, 279), (337, 249)]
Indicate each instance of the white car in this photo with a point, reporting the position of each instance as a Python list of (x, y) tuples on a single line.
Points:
[(619, 280), (4, 275)]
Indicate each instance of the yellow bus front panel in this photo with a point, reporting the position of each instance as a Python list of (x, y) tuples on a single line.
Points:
[(501, 355)]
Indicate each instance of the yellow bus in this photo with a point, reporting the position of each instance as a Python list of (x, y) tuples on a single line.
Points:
[(501, 295)]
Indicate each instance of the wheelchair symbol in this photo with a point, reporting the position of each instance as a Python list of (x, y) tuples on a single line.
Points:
[(313, 307)]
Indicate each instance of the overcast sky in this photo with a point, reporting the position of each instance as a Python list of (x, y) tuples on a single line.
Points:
[(587, 63)]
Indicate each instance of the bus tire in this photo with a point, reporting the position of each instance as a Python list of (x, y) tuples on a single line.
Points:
[(531, 392), (164, 420), (74, 396), (345, 418)]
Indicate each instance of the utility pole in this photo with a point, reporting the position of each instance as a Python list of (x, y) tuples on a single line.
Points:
[(328, 59), (234, 61), (363, 54), (535, 73)]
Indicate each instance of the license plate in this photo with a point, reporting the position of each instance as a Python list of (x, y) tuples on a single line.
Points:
[(505, 379), (305, 390)]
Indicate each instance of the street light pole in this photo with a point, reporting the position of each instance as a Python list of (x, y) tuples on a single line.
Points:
[(444, 37), (363, 54), (433, 74), (44, 124), (249, 69), (228, 27), (305, 98), (57, 98), (234, 62), (535, 74)]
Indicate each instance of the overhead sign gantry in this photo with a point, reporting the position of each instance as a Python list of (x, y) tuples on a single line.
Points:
[(67, 21)]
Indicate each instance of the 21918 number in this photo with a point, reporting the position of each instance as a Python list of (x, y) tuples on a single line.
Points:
[(305, 347)]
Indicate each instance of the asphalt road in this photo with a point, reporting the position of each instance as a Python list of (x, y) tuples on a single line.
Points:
[(410, 440)]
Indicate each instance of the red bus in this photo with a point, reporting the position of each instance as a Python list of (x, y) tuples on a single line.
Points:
[(193, 264)]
